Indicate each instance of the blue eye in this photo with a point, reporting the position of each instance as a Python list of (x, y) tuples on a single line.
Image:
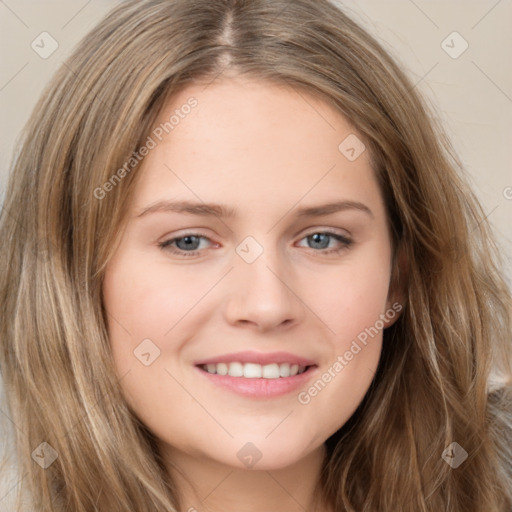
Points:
[(327, 242), (192, 244), (187, 245)]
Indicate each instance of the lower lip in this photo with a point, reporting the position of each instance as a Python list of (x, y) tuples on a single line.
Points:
[(260, 388)]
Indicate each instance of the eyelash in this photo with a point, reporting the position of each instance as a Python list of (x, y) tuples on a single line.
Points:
[(345, 243)]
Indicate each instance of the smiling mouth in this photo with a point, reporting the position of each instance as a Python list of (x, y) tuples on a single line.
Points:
[(254, 370)]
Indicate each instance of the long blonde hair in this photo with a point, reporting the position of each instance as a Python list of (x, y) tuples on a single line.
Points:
[(432, 384)]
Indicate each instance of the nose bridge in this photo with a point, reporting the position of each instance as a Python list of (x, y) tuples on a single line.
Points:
[(259, 292)]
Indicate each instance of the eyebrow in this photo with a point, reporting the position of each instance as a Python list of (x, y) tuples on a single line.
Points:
[(221, 211)]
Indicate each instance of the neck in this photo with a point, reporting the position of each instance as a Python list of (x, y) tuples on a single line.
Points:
[(207, 485)]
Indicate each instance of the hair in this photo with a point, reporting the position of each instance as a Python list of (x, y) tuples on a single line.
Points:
[(433, 384)]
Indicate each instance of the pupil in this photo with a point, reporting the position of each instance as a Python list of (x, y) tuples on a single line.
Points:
[(319, 241)]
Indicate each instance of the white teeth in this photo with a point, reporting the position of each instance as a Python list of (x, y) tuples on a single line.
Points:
[(252, 371), (284, 370), (271, 371), (236, 370), (222, 369), (255, 371)]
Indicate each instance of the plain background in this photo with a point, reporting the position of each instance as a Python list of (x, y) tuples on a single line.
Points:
[(471, 94)]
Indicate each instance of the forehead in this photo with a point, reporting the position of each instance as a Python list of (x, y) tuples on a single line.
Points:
[(253, 143), (246, 111)]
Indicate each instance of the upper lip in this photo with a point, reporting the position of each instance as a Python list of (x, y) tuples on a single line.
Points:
[(258, 358)]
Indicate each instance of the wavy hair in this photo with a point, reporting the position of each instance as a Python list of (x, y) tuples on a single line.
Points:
[(432, 387)]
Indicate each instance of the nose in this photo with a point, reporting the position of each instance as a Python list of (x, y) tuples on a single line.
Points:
[(261, 296)]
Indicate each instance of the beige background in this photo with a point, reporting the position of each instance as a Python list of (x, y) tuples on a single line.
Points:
[(472, 94)]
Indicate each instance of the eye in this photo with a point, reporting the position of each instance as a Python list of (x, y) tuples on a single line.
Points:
[(187, 245), (326, 242), (191, 244)]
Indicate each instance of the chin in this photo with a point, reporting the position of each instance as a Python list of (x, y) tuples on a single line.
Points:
[(269, 455)]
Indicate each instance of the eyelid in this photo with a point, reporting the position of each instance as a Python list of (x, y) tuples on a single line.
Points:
[(182, 234), (327, 230)]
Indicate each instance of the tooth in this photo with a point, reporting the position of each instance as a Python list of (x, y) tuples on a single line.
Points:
[(284, 370), (270, 371), (236, 370), (255, 371), (222, 369), (252, 371)]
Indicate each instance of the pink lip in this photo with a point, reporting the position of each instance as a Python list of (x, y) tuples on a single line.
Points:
[(260, 388), (258, 358)]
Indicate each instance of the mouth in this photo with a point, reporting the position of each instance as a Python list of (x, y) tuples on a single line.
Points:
[(255, 370), (256, 375)]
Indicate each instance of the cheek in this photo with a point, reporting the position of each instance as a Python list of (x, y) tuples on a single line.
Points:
[(351, 301), (149, 302), (340, 387), (155, 302), (144, 304), (350, 297), (353, 355)]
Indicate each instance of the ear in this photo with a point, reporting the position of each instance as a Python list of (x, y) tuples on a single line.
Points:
[(397, 286)]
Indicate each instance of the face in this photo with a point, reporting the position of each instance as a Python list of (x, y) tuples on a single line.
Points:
[(256, 244)]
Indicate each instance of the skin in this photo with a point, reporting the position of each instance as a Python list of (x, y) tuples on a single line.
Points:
[(263, 151)]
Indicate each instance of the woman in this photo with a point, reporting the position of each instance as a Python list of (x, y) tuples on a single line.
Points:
[(242, 273)]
